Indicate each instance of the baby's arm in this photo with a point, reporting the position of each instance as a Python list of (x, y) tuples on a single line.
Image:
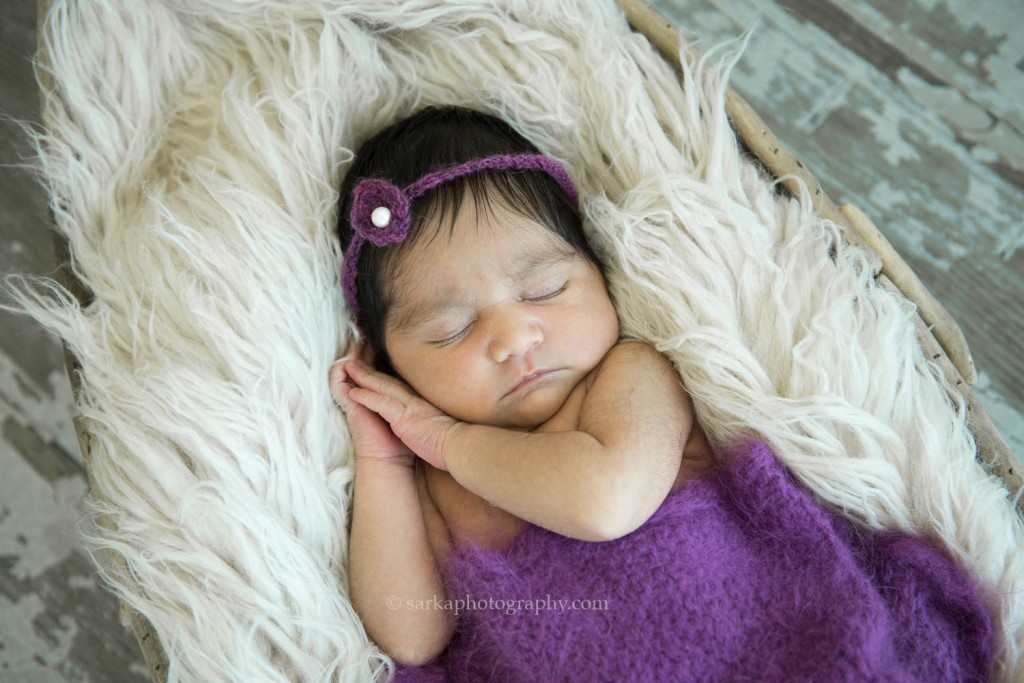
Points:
[(393, 577), (598, 482), (602, 480)]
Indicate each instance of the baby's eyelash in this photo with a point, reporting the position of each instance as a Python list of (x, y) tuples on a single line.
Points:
[(454, 338), (549, 295)]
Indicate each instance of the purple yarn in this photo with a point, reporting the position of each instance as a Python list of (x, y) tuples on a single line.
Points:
[(372, 193), (742, 576)]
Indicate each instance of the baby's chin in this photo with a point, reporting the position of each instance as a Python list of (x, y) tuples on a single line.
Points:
[(526, 423), (529, 415)]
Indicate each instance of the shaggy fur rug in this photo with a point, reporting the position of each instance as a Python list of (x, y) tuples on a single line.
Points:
[(193, 148)]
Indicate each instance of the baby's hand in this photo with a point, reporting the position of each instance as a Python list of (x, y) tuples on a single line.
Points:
[(371, 436), (420, 426)]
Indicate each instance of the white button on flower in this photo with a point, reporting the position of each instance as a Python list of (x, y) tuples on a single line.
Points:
[(381, 216)]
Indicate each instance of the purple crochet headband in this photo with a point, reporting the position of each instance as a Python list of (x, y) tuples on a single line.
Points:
[(380, 210)]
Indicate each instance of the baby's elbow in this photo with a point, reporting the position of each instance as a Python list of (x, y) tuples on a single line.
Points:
[(418, 651), (610, 517), (415, 656), (620, 498), (417, 641), (609, 527)]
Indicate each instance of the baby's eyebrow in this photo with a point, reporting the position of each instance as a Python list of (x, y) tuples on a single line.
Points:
[(408, 317), (544, 259)]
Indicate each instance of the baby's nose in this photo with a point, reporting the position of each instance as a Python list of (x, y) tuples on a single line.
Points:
[(513, 334)]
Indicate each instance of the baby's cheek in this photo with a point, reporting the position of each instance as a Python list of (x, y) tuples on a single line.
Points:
[(460, 393), (599, 326)]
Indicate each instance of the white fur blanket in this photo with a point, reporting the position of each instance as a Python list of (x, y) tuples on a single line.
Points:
[(193, 149)]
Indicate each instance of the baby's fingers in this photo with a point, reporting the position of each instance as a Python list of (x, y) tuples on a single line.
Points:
[(338, 382), (377, 381), (385, 406)]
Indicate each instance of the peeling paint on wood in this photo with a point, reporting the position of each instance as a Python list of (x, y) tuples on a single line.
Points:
[(47, 411), (56, 622), (914, 111)]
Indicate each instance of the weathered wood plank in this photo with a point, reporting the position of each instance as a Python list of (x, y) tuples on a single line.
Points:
[(910, 110), (775, 157), (57, 623)]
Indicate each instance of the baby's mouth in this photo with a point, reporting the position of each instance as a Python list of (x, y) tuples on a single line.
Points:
[(528, 381)]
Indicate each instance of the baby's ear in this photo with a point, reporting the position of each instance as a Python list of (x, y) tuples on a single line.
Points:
[(381, 363), (366, 353), (378, 362)]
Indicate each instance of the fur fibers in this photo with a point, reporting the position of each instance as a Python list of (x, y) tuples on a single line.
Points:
[(192, 150)]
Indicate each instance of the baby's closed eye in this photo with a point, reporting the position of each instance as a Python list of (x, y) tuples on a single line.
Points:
[(452, 337), (543, 293)]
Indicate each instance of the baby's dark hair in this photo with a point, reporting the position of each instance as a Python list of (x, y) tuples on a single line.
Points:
[(433, 138)]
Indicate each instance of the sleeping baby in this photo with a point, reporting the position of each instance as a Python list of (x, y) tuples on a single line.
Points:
[(532, 491)]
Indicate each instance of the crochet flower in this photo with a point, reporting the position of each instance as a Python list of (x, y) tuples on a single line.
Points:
[(380, 212)]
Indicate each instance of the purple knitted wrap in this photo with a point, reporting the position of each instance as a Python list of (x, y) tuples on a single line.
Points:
[(372, 194), (737, 577)]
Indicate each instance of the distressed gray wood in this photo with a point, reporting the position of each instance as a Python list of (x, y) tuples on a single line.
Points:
[(57, 623), (913, 110)]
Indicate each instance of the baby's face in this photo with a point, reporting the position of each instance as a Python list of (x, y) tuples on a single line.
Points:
[(481, 311)]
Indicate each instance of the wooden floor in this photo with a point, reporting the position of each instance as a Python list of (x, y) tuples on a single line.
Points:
[(911, 109), (914, 111)]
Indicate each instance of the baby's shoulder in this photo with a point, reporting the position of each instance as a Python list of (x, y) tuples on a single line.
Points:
[(632, 356), (623, 366), (634, 351)]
